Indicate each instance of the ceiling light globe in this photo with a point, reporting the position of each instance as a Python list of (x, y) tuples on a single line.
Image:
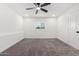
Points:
[(38, 8)]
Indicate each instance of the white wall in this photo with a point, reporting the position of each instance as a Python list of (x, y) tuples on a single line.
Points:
[(68, 24), (48, 32), (10, 27)]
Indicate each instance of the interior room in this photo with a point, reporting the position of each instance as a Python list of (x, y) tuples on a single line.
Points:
[(39, 29)]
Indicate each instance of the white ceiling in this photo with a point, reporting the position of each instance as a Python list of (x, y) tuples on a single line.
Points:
[(53, 9)]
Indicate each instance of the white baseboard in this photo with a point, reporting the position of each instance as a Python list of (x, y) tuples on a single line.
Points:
[(7, 40), (39, 37)]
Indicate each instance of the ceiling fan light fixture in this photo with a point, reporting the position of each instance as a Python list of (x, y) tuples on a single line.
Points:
[(38, 8)]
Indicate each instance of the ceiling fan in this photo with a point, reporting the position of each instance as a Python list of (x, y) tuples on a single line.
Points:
[(39, 6)]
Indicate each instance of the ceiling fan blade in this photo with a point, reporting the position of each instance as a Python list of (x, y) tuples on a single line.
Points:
[(45, 4), (35, 4), (44, 10), (36, 12), (29, 8)]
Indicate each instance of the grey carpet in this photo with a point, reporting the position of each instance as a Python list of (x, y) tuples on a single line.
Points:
[(41, 47)]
